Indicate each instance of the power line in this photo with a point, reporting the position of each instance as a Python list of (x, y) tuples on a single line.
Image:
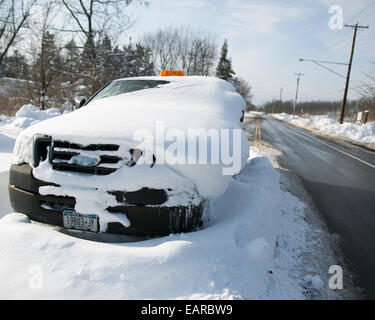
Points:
[(340, 37), (319, 63), (369, 13), (360, 11), (329, 93)]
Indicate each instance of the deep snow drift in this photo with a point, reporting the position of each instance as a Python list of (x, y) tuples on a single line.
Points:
[(231, 257), (361, 133)]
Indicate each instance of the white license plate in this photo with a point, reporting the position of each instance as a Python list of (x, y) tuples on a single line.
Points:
[(75, 220)]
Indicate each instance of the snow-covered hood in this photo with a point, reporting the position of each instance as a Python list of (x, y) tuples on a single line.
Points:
[(183, 104)]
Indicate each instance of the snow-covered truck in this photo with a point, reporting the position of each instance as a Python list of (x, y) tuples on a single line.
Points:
[(128, 161)]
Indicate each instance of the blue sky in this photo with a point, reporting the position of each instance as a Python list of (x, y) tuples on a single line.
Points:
[(266, 39)]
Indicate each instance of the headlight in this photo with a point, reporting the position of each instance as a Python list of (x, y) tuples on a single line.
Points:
[(40, 148), (31, 149), (23, 149)]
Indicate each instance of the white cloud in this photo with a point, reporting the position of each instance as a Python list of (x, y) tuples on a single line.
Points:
[(185, 3), (259, 16)]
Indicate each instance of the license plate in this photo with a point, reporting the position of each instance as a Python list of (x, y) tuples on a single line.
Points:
[(75, 220)]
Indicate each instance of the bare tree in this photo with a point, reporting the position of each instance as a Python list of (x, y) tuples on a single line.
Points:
[(193, 52), (14, 15), (368, 88), (47, 60), (244, 89), (368, 96), (94, 20), (202, 56), (164, 46)]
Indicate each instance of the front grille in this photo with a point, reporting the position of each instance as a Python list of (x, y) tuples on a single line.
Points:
[(56, 203), (62, 152), (142, 197)]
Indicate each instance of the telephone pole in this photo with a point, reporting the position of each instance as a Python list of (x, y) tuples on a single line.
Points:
[(281, 94), (356, 27), (295, 99)]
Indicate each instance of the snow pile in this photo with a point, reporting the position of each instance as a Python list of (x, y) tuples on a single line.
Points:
[(30, 111), (241, 252), (253, 114), (362, 133), (26, 116)]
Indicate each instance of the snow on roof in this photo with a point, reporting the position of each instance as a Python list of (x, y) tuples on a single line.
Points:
[(184, 103)]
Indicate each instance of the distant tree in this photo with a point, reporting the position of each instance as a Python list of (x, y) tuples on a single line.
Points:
[(310, 107), (14, 15), (45, 69), (201, 56), (47, 59), (164, 46), (182, 49), (15, 66), (103, 60), (94, 20), (244, 89), (367, 101), (136, 61), (224, 68), (368, 89), (71, 61), (128, 61)]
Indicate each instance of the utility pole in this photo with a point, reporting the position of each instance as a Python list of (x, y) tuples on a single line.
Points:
[(356, 27), (295, 99), (281, 94)]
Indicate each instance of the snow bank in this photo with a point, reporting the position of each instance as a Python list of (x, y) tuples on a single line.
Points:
[(26, 116), (11, 127), (231, 257), (30, 111), (362, 133)]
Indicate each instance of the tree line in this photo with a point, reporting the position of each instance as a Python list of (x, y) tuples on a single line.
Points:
[(61, 49), (322, 107)]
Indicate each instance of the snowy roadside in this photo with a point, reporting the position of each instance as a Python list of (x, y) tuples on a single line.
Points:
[(256, 243), (311, 248), (10, 127), (362, 134)]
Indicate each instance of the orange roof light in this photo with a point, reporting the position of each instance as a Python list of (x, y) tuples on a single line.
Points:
[(169, 73)]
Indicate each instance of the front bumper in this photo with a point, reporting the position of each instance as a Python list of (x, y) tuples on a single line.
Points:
[(145, 220)]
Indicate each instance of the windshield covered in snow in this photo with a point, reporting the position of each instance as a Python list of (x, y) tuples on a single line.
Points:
[(125, 86)]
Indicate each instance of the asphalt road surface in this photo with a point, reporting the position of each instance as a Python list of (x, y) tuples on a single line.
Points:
[(340, 178)]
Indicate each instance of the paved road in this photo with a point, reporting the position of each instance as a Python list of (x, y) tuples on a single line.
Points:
[(341, 180)]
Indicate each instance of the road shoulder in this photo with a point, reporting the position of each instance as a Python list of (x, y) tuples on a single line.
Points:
[(330, 137), (320, 248)]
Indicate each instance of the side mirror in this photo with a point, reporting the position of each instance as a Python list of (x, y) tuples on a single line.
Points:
[(82, 102)]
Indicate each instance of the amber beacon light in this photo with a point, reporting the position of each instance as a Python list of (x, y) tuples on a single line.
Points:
[(169, 73)]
